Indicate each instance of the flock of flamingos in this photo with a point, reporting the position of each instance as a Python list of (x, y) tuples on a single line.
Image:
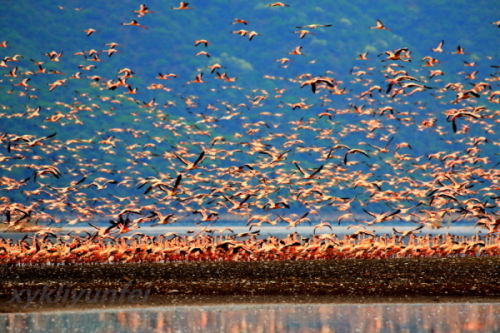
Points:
[(350, 153)]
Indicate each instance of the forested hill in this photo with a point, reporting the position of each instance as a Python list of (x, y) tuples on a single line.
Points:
[(33, 28), (102, 107)]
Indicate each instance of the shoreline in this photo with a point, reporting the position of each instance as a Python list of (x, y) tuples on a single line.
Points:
[(426, 280), (162, 301)]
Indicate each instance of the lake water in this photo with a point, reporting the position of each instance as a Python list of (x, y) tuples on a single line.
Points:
[(277, 231), (425, 317)]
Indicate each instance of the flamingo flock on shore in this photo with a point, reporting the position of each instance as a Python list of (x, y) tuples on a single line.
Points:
[(239, 247), (326, 164)]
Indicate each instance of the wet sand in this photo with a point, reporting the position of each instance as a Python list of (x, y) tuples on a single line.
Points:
[(216, 283)]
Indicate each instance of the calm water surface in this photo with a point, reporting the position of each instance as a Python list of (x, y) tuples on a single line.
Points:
[(452, 317), (280, 232)]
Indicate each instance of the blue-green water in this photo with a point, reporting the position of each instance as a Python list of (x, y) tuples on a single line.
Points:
[(280, 232), (424, 317)]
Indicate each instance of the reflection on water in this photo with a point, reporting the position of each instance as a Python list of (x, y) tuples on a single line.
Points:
[(268, 318)]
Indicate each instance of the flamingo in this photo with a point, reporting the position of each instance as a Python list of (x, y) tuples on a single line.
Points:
[(214, 67), (236, 21), (439, 47), (183, 5), (459, 50), (306, 174), (56, 83), (321, 225), (396, 54), (302, 33), (191, 166), (89, 31), (278, 4), (379, 26), (362, 56), (197, 79), (143, 10), (240, 32), (314, 81), (252, 34), (314, 26), (201, 41), (54, 56), (23, 83), (296, 51), (202, 53), (354, 151), (135, 24), (379, 218), (207, 216), (408, 232), (165, 76)]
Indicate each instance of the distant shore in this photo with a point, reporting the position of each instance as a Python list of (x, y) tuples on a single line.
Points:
[(30, 228), (68, 287)]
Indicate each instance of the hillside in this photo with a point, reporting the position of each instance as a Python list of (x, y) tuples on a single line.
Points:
[(96, 133)]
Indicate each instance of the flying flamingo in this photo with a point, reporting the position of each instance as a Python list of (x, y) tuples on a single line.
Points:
[(379, 26), (439, 47), (396, 55), (197, 79), (135, 24), (302, 33), (191, 166), (362, 56), (459, 50), (142, 11), (201, 41), (90, 31), (314, 26), (236, 21), (278, 4), (306, 174), (296, 51), (183, 5)]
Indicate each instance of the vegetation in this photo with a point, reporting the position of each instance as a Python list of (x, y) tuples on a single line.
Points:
[(184, 118)]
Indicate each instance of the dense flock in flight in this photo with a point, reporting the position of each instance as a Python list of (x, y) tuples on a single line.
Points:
[(346, 155)]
